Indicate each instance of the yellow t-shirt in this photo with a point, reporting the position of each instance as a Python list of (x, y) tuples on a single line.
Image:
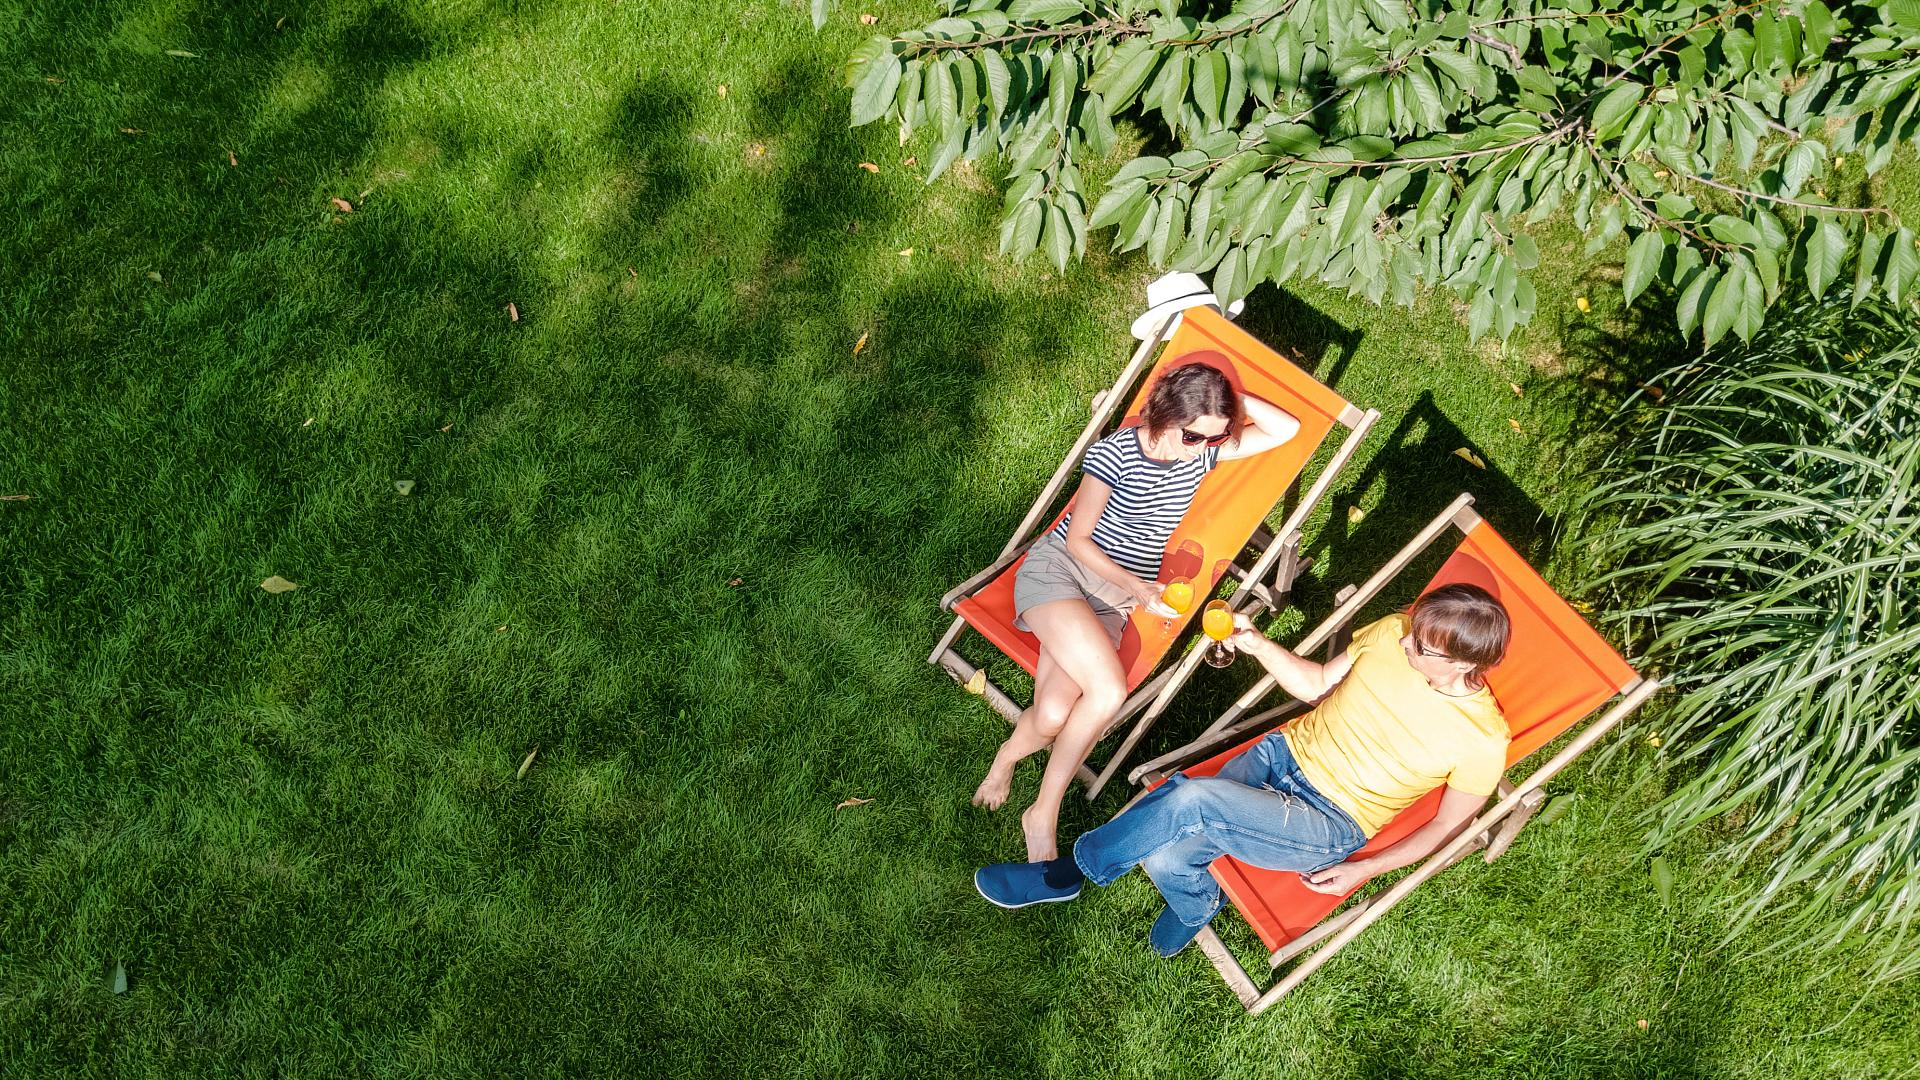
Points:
[(1385, 736)]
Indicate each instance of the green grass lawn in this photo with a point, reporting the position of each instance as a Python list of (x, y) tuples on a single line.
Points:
[(669, 529)]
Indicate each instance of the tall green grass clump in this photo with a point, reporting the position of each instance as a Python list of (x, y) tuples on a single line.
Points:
[(1761, 530)]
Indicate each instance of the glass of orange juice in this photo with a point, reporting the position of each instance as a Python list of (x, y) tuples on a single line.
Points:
[(1178, 595), (1217, 623)]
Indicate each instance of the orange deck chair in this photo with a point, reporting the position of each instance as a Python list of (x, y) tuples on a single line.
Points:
[(1557, 671), (1226, 519)]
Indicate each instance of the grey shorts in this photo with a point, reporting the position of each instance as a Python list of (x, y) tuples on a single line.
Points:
[(1052, 573)]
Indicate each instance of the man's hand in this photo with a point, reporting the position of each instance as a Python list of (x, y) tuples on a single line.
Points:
[(1337, 880), (1245, 638)]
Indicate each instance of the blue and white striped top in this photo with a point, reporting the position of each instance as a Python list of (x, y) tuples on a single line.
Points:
[(1149, 499)]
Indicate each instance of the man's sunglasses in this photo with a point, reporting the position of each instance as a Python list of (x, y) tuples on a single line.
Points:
[(1421, 648), (1194, 438)]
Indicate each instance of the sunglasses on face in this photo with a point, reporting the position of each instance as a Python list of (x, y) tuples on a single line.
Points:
[(1434, 654), (1194, 438)]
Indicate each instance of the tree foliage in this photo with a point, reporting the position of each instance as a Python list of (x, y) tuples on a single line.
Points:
[(1765, 545), (1382, 146)]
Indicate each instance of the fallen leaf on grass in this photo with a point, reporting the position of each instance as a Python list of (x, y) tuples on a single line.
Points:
[(1582, 303), (632, 273), (133, 131), (55, 81), (363, 195), (1355, 515), (1515, 424), (869, 20), (15, 498), (870, 166), (862, 343), (1517, 392), (182, 53), (1653, 392), (501, 629), (723, 89), (277, 585), (280, 22), (734, 584), (911, 162), (1470, 458), (154, 275), (756, 150), (526, 763), (309, 422), (232, 161), (1641, 1024), (906, 253), (404, 487), (118, 982), (844, 803), (977, 685), (446, 429), (341, 205), (1581, 606), (513, 312)]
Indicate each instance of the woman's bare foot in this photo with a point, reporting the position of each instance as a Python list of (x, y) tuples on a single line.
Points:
[(992, 792), (1041, 844)]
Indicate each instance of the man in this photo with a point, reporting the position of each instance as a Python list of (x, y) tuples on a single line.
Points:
[(1405, 709)]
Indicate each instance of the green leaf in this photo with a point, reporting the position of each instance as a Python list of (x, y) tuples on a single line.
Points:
[(1118, 202), (1643, 261), (819, 14), (1688, 310), (1063, 79), (999, 82), (1022, 233), (1556, 808), (1616, 106), (874, 93), (1059, 238), (1867, 265), (1903, 265), (1826, 248), (1168, 231), (1151, 168), (1662, 880), (1124, 73), (1732, 230), (1044, 11), (1230, 278), (1723, 307), (1209, 85), (1807, 159), (1136, 230)]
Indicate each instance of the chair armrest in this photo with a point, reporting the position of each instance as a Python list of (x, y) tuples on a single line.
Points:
[(993, 570)]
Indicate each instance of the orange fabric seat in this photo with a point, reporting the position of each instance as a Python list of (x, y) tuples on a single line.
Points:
[(1231, 503), (1557, 670)]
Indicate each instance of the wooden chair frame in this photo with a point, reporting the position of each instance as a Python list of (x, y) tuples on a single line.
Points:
[(1492, 831), (1278, 556)]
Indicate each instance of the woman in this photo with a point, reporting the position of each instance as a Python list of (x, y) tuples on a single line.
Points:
[(1081, 581)]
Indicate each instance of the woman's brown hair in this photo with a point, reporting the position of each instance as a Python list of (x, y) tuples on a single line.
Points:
[(1190, 391), (1465, 622)]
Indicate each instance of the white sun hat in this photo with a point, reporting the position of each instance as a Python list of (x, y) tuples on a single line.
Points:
[(1174, 292)]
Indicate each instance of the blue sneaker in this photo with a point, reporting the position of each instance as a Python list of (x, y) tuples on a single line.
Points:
[(1170, 935), (1016, 885)]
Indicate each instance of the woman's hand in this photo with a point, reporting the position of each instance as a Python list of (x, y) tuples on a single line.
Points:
[(1337, 880), (1147, 595)]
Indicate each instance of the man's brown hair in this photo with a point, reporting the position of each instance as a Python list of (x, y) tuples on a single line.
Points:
[(1465, 622)]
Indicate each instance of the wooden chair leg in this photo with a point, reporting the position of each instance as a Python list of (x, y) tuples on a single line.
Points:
[(1507, 831)]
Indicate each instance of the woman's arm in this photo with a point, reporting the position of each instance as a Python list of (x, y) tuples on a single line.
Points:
[(1296, 675), (1088, 504), (1268, 425), (1456, 811)]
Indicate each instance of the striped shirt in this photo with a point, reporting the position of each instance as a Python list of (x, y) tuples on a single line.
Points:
[(1149, 499)]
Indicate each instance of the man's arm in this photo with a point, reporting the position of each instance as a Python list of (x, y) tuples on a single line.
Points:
[(1296, 675), (1457, 809)]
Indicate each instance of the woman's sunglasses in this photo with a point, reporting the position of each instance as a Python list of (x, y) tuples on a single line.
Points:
[(1194, 438)]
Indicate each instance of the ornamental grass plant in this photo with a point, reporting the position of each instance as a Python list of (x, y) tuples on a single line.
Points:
[(1761, 540)]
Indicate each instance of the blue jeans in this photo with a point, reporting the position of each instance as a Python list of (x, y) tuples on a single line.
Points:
[(1259, 809)]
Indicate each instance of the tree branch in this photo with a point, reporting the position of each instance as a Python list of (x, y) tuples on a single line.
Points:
[(1781, 199)]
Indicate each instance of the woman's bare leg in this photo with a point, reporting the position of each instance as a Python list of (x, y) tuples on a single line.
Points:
[(1081, 647), (1053, 698)]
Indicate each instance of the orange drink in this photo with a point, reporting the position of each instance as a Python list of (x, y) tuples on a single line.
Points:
[(1178, 595), (1217, 623)]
